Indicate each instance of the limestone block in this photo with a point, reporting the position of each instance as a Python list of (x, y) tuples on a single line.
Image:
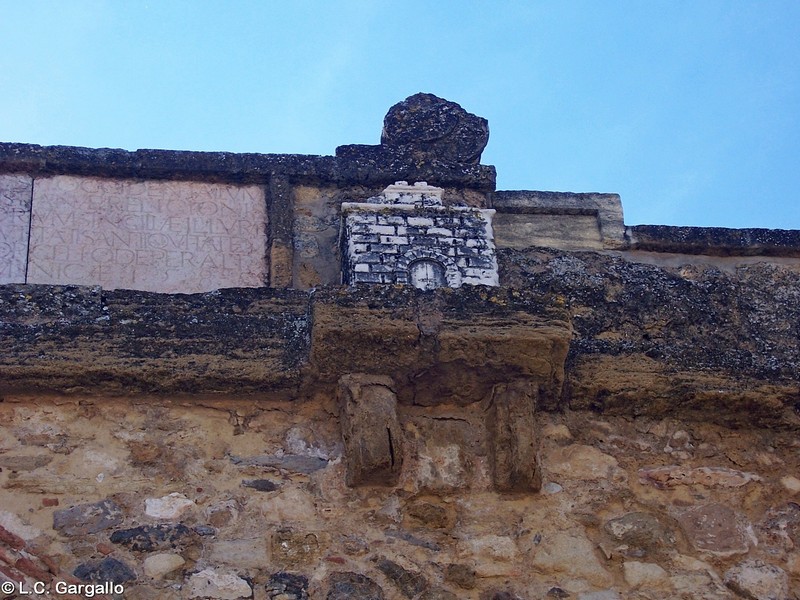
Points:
[(758, 580), (15, 215), (570, 553), (211, 583), (159, 565), (513, 439), (169, 507), (160, 236), (370, 429)]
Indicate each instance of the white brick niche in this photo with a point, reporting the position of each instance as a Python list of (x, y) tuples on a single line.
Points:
[(406, 236)]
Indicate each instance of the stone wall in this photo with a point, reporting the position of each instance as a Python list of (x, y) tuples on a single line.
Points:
[(225, 498)]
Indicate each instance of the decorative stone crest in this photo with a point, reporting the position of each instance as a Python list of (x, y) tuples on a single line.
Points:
[(406, 236), (436, 126)]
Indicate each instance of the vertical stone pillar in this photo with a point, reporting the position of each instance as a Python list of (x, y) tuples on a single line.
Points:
[(280, 206), (513, 439), (370, 429)]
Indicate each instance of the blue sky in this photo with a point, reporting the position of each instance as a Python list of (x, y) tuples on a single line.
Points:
[(688, 109)]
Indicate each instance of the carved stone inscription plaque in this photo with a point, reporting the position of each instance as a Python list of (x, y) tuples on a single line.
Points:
[(158, 236), (15, 215)]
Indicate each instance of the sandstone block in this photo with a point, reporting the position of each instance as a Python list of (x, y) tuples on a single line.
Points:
[(578, 461), (15, 214), (370, 429), (572, 554), (513, 437)]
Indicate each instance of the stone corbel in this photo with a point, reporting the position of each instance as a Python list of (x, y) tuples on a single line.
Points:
[(371, 432)]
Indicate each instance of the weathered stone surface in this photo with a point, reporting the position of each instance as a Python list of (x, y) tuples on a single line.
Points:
[(642, 532), (168, 508), (214, 583), (287, 586), (147, 538), (791, 483), (173, 237), (463, 576), (108, 569), (665, 338), (15, 214), (579, 461), (716, 529), (293, 547), (666, 477), (160, 565), (436, 126), (758, 581), (353, 586), (24, 463), (513, 437), (648, 575), (245, 553), (260, 485), (719, 241), (779, 530), (87, 518), (409, 583), (559, 220), (571, 554), (75, 338), (286, 462), (372, 434)]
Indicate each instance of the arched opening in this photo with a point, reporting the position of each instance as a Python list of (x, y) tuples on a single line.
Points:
[(427, 274)]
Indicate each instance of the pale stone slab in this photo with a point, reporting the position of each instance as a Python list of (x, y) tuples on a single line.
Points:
[(158, 236), (15, 215)]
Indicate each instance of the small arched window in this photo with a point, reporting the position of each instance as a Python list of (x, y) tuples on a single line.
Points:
[(427, 274)]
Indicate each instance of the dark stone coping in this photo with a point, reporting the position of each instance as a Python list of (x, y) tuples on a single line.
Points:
[(352, 165), (715, 241)]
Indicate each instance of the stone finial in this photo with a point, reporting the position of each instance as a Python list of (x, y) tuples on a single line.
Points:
[(437, 127)]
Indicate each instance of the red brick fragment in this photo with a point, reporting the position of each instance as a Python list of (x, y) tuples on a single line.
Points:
[(12, 574), (49, 502), (11, 539), (30, 568), (104, 548)]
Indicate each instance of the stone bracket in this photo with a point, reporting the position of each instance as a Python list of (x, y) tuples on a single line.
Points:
[(513, 437), (370, 429)]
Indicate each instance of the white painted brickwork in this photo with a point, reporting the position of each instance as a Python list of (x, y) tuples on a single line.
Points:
[(406, 236)]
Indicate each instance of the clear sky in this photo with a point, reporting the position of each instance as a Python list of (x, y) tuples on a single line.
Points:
[(690, 110)]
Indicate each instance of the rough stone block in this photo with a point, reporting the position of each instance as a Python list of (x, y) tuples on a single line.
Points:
[(513, 437), (160, 236), (370, 429), (15, 214)]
